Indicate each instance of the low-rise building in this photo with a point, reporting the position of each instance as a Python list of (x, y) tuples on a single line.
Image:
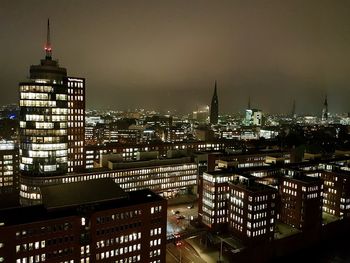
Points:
[(94, 221), (165, 176)]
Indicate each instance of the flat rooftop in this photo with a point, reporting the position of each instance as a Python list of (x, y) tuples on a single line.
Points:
[(81, 193), (252, 186), (150, 163), (304, 178), (283, 230), (223, 172), (8, 200)]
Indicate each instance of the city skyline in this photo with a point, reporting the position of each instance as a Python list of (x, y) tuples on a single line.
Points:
[(185, 181), (176, 50)]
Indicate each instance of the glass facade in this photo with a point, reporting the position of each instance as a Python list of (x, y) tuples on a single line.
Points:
[(159, 179), (43, 128)]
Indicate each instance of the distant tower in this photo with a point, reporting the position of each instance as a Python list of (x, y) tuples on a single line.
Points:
[(214, 109), (249, 106), (293, 115), (325, 110)]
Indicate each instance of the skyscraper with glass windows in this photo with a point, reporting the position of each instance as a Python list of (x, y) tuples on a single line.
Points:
[(43, 118), (52, 108)]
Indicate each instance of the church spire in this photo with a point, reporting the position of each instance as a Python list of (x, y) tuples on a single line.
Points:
[(48, 48), (215, 92), (325, 110), (293, 115), (214, 108)]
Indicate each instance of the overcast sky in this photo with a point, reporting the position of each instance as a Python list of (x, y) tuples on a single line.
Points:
[(166, 55)]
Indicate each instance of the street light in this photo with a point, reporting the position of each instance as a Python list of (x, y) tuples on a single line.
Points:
[(220, 254)]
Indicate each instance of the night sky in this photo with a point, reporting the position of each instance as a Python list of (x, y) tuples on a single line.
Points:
[(165, 55)]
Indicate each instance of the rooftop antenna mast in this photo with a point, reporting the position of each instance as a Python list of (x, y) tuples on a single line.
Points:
[(48, 48)]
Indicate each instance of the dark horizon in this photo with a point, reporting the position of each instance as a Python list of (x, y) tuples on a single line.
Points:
[(166, 55)]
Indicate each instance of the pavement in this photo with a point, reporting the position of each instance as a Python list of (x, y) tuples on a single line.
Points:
[(191, 249), (175, 225), (184, 253), (328, 218), (182, 199), (208, 254)]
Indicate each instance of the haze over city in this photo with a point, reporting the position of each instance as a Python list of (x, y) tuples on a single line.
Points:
[(174, 131), (165, 55)]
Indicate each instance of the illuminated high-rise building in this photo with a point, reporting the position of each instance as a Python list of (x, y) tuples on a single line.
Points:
[(253, 117), (201, 115), (43, 118), (214, 107), (52, 116)]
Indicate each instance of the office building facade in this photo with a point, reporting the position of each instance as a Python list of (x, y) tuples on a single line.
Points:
[(252, 210), (336, 190), (301, 201), (51, 135), (9, 163), (167, 177), (76, 123), (213, 199), (90, 226)]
